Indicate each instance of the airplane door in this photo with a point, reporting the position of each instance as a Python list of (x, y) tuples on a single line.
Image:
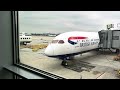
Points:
[(76, 47), (69, 48), (73, 46)]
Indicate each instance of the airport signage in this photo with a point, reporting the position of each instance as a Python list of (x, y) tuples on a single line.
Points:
[(110, 26)]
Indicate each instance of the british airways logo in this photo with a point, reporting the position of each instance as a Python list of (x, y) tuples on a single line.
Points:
[(73, 40)]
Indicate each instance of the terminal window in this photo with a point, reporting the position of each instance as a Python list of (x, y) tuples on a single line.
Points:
[(39, 29)]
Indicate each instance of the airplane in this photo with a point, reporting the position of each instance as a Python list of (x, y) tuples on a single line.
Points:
[(24, 38), (66, 45)]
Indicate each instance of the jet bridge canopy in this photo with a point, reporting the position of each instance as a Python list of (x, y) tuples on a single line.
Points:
[(109, 39)]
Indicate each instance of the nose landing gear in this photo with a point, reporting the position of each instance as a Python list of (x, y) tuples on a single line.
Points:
[(64, 63), (66, 60)]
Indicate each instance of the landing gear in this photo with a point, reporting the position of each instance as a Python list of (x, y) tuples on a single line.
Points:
[(64, 63), (66, 60)]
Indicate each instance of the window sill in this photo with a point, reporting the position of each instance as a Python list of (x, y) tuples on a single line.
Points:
[(22, 73), (29, 73)]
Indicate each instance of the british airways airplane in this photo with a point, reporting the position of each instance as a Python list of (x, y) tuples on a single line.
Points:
[(66, 45)]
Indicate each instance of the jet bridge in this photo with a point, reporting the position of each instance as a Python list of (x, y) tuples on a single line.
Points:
[(109, 39)]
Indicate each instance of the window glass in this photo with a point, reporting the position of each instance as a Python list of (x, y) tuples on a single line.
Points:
[(61, 42), (43, 47)]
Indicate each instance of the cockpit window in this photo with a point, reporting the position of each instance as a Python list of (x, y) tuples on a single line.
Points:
[(54, 41), (61, 42), (58, 41)]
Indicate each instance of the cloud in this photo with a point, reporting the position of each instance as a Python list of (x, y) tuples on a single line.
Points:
[(63, 21)]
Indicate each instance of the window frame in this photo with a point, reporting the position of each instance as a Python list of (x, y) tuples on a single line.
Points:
[(16, 48)]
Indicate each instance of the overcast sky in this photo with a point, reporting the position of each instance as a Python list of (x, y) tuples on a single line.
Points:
[(64, 21)]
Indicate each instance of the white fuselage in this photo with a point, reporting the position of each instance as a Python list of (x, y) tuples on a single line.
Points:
[(72, 42)]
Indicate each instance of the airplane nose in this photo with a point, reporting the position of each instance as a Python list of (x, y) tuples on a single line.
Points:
[(49, 51)]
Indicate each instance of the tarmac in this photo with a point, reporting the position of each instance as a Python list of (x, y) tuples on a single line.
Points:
[(104, 65)]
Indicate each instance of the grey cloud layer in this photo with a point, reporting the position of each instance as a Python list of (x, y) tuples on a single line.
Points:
[(63, 21)]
